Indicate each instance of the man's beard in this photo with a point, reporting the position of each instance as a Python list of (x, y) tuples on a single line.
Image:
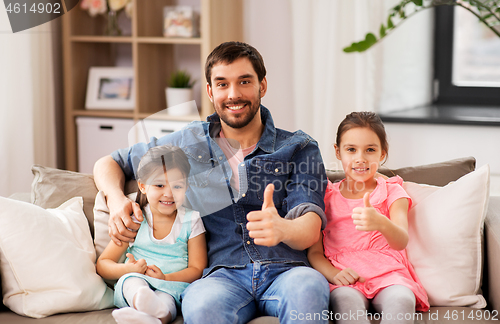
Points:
[(241, 121)]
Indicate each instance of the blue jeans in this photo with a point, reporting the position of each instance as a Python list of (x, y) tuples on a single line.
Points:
[(293, 294)]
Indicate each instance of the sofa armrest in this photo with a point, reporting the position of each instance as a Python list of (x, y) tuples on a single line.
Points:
[(492, 240)]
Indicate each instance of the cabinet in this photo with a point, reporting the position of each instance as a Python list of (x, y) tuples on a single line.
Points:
[(152, 56), (110, 133)]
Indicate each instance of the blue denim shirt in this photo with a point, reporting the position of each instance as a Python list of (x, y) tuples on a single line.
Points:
[(291, 161)]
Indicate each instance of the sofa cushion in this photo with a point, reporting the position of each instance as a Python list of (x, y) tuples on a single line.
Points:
[(445, 226), (437, 174), (51, 187), (47, 260)]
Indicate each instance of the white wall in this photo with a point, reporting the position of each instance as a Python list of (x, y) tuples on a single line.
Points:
[(267, 27), (417, 144), (16, 115), (407, 64)]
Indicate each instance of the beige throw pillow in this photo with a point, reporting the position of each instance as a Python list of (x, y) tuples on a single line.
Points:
[(51, 187)]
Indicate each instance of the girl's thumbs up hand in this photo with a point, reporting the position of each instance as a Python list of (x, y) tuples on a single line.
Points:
[(367, 218), (264, 225), (366, 200)]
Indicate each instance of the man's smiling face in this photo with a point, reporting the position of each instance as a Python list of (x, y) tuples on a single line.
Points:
[(236, 92)]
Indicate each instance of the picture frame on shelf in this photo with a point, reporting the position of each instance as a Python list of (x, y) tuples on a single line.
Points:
[(110, 88), (180, 21)]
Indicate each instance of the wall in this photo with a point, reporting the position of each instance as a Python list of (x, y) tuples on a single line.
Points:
[(416, 144), (267, 27)]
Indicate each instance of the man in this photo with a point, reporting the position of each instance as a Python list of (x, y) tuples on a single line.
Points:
[(260, 190)]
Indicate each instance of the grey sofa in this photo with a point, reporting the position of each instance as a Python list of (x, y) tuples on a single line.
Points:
[(437, 174)]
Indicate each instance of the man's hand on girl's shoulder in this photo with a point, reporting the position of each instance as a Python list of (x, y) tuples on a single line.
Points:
[(121, 226)]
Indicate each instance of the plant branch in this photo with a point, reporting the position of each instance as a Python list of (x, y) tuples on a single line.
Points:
[(479, 17), (479, 5), (486, 10)]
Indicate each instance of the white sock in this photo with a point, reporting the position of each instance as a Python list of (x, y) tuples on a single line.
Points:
[(168, 302), (129, 315), (145, 300)]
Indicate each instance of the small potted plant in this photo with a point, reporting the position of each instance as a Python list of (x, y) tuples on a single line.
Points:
[(180, 91)]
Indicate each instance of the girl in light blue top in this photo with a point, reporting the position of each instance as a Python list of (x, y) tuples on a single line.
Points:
[(169, 251)]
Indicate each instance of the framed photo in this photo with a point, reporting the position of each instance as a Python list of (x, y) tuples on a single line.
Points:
[(110, 88), (180, 21)]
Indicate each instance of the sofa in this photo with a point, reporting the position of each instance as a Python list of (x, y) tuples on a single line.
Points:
[(51, 187)]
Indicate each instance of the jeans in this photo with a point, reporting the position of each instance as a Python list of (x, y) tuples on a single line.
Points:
[(294, 294)]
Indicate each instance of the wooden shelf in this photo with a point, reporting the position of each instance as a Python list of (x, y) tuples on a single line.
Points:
[(165, 40), (152, 56), (105, 113), (101, 39), (128, 39)]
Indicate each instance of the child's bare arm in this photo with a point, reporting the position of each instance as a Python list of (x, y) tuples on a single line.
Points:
[(318, 261), (396, 233), (197, 261), (108, 267), (395, 229)]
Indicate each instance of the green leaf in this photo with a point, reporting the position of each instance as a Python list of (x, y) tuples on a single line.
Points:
[(389, 23), (363, 45), (180, 79), (370, 39), (382, 30), (352, 48), (418, 2)]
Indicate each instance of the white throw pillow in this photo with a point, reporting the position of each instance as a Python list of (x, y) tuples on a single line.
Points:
[(446, 234), (47, 260)]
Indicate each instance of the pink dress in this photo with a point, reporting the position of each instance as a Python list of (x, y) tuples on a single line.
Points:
[(368, 253)]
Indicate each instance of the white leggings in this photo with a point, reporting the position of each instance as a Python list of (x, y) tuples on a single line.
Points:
[(132, 284), (395, 304)]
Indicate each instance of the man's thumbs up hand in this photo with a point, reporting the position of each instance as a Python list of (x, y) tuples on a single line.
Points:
[(264, 225), (367, 218), (268, 197)]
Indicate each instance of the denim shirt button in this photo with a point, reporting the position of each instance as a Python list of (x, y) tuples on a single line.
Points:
[(242, 164), (199, 156), (276, 170), (248, 242), (220, 157), (243, 195)]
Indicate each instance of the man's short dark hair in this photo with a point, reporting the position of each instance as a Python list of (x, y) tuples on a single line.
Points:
[(229, 52)]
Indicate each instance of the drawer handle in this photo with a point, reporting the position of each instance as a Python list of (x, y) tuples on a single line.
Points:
[(167, 130), (106, 127)]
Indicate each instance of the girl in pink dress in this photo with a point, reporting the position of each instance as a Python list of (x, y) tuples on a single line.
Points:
[(362, 251)]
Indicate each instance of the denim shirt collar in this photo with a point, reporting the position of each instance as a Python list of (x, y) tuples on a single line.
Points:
[(267, 140)]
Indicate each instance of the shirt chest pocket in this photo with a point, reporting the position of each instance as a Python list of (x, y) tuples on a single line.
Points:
[(202, 166), (265, 171)]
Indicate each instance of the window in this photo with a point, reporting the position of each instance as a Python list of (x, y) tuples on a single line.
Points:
[(467, 59)]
